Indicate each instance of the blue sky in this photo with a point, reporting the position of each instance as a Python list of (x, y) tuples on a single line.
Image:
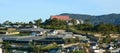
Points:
[(28, 10)]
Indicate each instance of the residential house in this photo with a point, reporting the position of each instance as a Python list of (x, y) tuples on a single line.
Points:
[(49, 40), (33, 31), (19, 41), (55, 32), (75, 22), (52, 32)]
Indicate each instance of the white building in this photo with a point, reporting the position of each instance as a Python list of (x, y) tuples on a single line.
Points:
[(0, 50), (99, 51), (79, 21)]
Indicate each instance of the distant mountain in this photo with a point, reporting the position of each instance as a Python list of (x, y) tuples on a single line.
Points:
[(109, 18)]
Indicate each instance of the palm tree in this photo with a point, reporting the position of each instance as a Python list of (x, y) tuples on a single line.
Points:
[(38, 22)]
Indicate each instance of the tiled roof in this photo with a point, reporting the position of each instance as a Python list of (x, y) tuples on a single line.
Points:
[(60, 17)]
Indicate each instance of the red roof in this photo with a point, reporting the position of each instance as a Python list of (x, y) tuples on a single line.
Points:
[(60, 17)]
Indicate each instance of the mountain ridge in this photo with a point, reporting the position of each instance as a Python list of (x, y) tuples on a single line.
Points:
[(96, 19)]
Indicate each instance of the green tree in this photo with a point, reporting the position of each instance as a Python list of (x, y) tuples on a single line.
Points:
[(105, 28), (87, 21), (55, 24), (31, 23), (107, 39), (7, 22), (38, 22), (118, 28), (73, 21), (84, 27), (6, 46)]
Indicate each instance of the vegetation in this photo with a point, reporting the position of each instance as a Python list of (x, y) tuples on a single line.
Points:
[(54, 24), (107, 39), (78, 51), (50, 46), (6, 46), (107, 19), (31, 23), (38, 22), (59, 24), (71, 40), (103, 28)]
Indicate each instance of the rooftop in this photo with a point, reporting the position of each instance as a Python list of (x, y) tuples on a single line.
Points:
[(60, 17)]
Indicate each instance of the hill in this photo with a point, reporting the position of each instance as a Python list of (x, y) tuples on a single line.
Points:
[(109, 18)]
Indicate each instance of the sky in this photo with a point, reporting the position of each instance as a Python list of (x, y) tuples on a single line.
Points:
[(29, 10)]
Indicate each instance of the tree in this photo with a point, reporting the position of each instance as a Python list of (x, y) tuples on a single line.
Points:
[(105, 28), (6, 46), (31, 23), (38, 22), (38, 48), (107, 39), (118, 28), (73, 21), (87, 21), (34, 48), (7, 22), (84, 27), (55, 24)]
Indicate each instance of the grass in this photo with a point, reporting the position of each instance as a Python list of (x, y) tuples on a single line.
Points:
[(50, 46)]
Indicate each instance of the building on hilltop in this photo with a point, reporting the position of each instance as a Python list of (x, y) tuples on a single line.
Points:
[(75, 22), (65, 18)]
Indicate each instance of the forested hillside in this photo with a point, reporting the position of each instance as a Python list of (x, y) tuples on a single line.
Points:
[(109, 18)]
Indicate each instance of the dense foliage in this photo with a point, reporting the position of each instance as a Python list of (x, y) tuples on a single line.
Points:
[(54, 24), (103, 28)]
